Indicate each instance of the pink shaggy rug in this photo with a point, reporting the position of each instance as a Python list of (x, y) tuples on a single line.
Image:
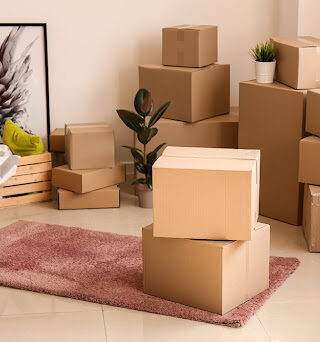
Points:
[(103, 268)]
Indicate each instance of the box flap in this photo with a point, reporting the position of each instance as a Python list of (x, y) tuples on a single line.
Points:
[(180, 69), (299, 42), (190, 27), (216, 153)]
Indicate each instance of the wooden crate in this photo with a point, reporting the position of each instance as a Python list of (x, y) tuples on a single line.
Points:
[(31, 183)]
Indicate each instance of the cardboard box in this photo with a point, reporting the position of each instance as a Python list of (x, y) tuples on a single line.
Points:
[(311, 217), (298, 61), (190, 45), (89, 146), (313, 112), (56, 140), (82, 181), (108, 197), (215, 276), (271, 119), (195, 93), (203, 193), (309, 161), (220, 131)]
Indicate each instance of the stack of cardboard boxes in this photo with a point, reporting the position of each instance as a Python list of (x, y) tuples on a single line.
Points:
[(309, 171), (199, 90), (272, 119), (91, 175), (205, 237)]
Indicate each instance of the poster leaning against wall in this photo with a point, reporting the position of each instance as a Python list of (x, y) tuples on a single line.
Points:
[(24, 93)]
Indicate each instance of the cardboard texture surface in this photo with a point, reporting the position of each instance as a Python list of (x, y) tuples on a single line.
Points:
[(108, 197), (271, 118), (89, 146), (57, 140), (311, 217), (216, 276), (298, 61), (195, 93), (190, 45), (204, 193), (313, 112), (309, 161), (220, 131), (82, 181)]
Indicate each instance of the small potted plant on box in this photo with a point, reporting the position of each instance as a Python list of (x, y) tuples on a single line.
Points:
[(145, 131), (265, 62)]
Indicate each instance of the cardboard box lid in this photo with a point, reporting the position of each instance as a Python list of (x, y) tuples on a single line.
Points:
[(216, 153), (106, 189), (82, 127), (299, 42), (188, 70), (190, 27), (57, 132)]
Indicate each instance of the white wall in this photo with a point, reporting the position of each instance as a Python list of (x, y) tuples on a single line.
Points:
[(309, 18), (95, 47)]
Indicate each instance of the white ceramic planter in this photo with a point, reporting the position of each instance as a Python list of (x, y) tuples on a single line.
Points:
[(145, 196), (265, 71)]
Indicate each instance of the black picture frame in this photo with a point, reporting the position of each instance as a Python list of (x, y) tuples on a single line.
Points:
[(46, 67)]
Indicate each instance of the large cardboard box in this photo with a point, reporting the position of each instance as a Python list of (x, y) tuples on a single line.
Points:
[(220, 131), (56, 140), (271, 119), (82, 181), (298, 61), (311, 217), (190, 45), (108, 197), (215, 276), (195, 93), (204, 193), (313, 112), (309, 161), (89, 146)]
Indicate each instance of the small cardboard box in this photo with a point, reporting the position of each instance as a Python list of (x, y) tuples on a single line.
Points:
[(82, 181), (311, 217), (203, 193), (57, 140), (215, 276), (190, 45), (309, 161), (313, 112), (195, 93), (271, 119), (298, 61), (89, 146), (108, 197)]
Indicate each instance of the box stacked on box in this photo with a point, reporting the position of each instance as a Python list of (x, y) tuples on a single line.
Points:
[(205, 236), (197, 88), (91, 175), (276, 118)]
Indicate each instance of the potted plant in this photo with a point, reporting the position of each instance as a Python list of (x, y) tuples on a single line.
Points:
[(145, 131), (265, 62)]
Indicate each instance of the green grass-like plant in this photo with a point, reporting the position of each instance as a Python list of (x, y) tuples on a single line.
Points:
[(145, 131), (263, 52)]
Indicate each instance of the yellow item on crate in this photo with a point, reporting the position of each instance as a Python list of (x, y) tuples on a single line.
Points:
[(20, 142)]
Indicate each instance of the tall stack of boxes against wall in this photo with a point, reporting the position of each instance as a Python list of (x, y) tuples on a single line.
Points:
[(90, 177), (272, 119), (197, 87), (205, 237)]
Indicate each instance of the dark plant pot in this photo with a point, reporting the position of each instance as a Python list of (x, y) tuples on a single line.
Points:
[(145, 196)]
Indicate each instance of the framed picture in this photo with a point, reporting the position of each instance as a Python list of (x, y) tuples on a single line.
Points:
[(24, 93)]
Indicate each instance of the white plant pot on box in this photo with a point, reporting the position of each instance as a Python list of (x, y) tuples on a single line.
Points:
[(265, 71)]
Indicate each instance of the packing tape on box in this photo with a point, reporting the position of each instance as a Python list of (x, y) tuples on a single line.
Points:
[(180, 38)]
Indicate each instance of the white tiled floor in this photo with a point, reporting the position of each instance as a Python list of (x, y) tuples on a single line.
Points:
[(290, 315)]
